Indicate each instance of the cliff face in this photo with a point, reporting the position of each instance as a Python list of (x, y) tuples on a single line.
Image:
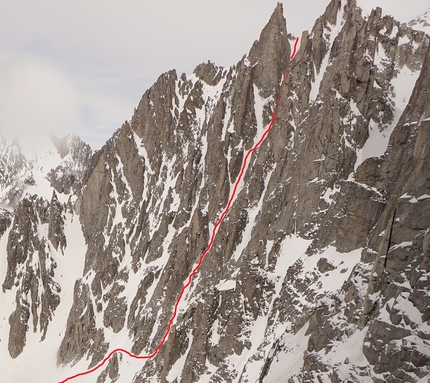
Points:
[(319, 272)]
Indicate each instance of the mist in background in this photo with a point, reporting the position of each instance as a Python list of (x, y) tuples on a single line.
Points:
[(82, 66)]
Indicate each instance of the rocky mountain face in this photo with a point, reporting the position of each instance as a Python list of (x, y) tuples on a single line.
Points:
[(318, 273), (32, 229)]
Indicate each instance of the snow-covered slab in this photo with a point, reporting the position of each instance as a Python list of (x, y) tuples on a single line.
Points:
[(413, 199), (400, 245), (377, 143), (290, 360), (225, 285)]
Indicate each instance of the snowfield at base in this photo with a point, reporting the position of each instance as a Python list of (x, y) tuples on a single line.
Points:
[(38, 361)]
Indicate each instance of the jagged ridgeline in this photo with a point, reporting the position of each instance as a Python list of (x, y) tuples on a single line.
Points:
[(320, 272)]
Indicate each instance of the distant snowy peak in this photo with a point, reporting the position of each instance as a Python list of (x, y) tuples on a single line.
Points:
[(14, 171), (37, 165), (395, 10), (75, 157), (70, 144), (421, 22)]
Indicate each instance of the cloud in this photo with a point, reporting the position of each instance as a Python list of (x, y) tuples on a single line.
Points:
[(83, 65), (34, 97)]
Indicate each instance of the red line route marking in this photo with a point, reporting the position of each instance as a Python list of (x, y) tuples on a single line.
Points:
[(197, 267)]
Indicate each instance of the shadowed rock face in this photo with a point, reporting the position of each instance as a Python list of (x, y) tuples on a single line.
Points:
[(321, 247), (269, 56), (31, 268)]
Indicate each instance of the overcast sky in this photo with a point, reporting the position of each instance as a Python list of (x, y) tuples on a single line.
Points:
[(82, 66)]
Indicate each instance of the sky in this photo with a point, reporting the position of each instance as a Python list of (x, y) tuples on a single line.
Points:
[(82, 66)]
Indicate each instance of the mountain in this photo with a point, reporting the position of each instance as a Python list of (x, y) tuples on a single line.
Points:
[(318, 273), (28, 167), (421, 22)]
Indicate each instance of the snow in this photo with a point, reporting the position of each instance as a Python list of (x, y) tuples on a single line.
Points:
[(42, 161), (400, 245), (413, 199), (177, 367), (259, 105), (329, 193), (215, 336), (402, 85), (41, 156), (408, 309), (262, 337), (226, 285), (397, 9), (377, 142), (256, 337), (253, 212), (405, 196), (394, 32), (351, 348), (343, 263), (39, 359), (290, 360), (319, 74), (292, 248), (7, 302), (421, 22), (381, 59)]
